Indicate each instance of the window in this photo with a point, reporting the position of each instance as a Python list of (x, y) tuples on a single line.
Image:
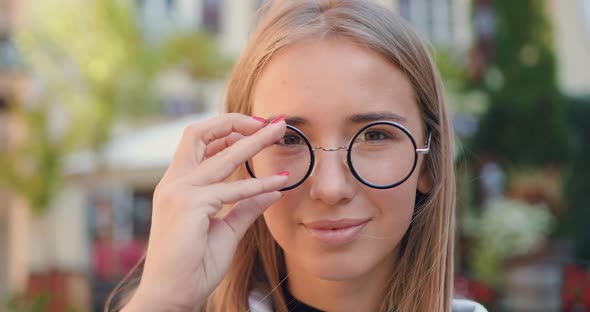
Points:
[(441, 21), (433, 18), (141, 213), (211, 15), (170, 5), (404, 9), (9, 59), (140, 4), (586, 14)]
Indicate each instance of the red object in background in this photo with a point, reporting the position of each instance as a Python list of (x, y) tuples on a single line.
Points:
[(575, 292), (482, 292), (131, 253), (111, 260), (105, 264), (474, 290), (54, 284)]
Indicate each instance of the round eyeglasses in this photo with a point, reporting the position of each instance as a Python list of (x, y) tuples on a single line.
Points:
[(381, 155)]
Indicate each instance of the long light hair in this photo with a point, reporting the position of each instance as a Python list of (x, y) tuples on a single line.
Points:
[(422, 277)]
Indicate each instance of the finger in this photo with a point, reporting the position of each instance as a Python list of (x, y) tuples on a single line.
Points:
[(232, 192), (196, 137), (222, 165), (223, 143), (242, 215)]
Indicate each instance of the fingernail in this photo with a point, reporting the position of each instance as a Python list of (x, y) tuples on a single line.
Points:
[(259, 119), (283, 173), (278, 119)]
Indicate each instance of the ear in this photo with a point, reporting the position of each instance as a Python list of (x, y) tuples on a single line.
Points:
[(424, 180)]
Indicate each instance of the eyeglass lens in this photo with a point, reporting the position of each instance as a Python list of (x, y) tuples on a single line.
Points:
[(380, 155)]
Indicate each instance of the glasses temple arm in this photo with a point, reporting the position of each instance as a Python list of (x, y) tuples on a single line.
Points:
[(426, 149)]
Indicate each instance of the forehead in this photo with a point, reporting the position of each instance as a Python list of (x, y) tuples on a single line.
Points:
[(325, 81)]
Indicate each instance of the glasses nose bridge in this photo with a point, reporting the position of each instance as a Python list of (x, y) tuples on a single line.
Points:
[(330, 149)]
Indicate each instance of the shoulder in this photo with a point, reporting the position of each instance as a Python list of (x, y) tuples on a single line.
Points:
[(464, 305)]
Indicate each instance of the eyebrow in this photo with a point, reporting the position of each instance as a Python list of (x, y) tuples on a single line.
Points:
[(375, 116), (296, 121)]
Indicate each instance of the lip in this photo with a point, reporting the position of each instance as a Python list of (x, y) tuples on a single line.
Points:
[(336, 232)]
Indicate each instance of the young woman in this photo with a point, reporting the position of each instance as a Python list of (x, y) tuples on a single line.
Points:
[(339, 135)]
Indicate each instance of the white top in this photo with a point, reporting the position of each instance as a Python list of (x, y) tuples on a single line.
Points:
[(260, 303)]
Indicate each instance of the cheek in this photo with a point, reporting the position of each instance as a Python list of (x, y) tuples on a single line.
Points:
[(280, 224), (394, 208)]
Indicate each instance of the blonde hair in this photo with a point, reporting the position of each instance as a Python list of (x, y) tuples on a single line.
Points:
[(422, 278)]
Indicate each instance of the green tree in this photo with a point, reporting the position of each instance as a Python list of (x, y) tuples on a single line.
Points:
[(94, 66), (525, 125), (577, 188)]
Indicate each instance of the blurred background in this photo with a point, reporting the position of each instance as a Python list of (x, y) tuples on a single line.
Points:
[(94, 95)]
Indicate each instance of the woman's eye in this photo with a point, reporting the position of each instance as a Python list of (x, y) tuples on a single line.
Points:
[(291, 139), (374, 135)]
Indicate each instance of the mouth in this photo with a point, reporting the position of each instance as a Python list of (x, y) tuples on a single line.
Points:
[(336, 232)]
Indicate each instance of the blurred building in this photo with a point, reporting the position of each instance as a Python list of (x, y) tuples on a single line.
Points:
[(446, 23), (571, 22)]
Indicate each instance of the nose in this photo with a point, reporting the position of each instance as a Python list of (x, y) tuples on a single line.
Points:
[(331, 180)]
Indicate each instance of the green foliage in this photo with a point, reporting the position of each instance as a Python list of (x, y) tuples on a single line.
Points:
[(196, 53), (460, 95), (525, 124), (577, 187), (38, 303), (506, 228), (20, 304), (453, 73), (33, 169), (95, 67)]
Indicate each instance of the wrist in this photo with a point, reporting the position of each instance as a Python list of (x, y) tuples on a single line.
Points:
[(154, 301)]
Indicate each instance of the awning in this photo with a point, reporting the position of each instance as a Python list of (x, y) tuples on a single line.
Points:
[(145, 149)]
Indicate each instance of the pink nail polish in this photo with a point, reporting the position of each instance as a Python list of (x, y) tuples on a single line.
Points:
[(278, 119), (259, 119), (283, 173)]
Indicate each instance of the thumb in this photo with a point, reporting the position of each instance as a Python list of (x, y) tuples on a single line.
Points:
[(242, 215)]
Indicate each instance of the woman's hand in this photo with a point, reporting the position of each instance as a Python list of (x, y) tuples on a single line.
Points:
[(189, 249)]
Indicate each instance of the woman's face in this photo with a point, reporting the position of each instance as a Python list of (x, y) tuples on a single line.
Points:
[(331, 88)]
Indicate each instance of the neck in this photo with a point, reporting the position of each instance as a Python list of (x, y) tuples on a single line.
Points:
[(362, 293)]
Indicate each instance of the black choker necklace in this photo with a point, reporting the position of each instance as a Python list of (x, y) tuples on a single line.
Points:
[(294, 305)]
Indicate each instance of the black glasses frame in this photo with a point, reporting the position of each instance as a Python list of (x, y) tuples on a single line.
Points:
[(348, 149)]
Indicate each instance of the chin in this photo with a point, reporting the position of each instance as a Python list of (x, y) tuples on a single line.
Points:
[(338, 267)]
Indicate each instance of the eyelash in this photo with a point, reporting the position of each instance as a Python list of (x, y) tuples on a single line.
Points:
[(383, 135), (289, 135)]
